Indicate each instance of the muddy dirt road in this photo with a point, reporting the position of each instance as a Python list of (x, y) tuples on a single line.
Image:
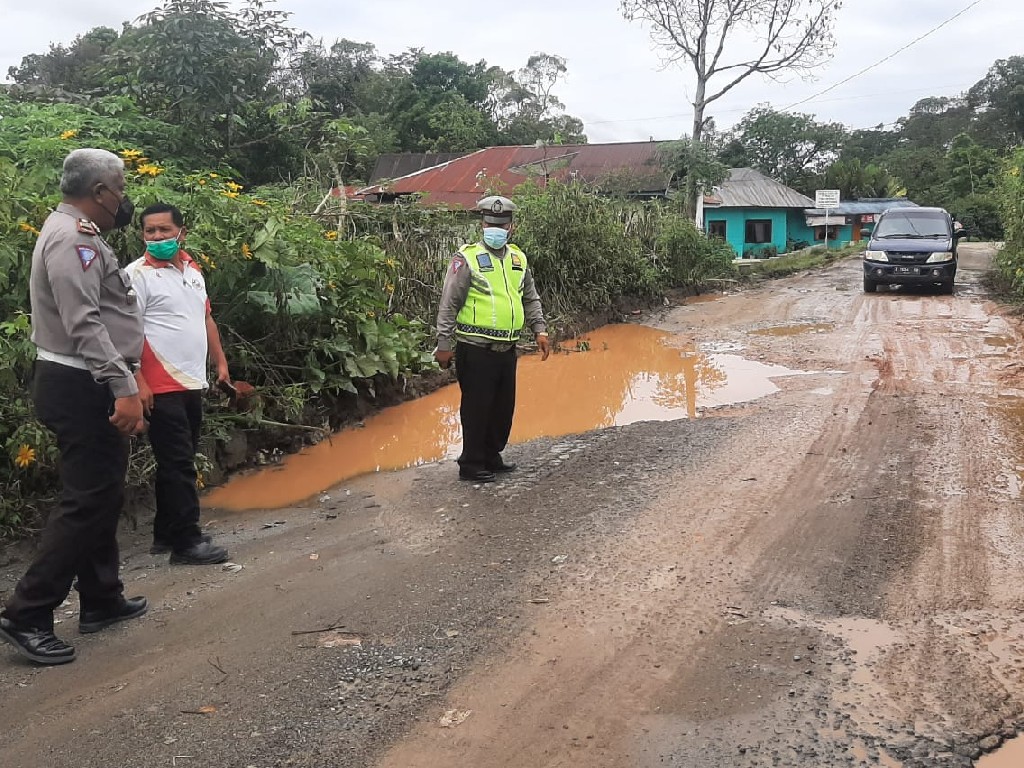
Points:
[(826, 576)]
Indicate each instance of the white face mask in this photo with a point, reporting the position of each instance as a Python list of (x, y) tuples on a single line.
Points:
[(495, 237)]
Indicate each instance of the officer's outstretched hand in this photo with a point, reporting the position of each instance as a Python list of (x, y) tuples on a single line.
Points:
[(444, 357), (127, 416), (543, 346)]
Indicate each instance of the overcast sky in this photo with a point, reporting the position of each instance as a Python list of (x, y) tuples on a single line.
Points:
[(615, 83)]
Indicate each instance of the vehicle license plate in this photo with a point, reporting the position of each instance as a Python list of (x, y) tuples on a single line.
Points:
[(907, 270)]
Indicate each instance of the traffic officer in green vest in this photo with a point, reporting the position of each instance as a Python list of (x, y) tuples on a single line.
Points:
[(488, 296)]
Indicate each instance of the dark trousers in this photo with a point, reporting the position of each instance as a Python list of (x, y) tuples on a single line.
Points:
[(174, 425), (488, 382), (80, 539)]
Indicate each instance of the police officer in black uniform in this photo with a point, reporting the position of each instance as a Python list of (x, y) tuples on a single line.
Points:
[(88, 333), (488, 296)]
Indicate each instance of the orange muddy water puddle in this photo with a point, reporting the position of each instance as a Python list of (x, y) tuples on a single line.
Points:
[(793, 330), (1010, 755), (627, 373)]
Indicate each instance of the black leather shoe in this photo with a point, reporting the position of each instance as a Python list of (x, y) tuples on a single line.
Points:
[(38, 645), (477, 476), (200, 553), (94, 621), (502, 466), (162, 546)]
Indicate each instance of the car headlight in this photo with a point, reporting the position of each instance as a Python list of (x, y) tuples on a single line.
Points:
[(935, 258), (875, 256)]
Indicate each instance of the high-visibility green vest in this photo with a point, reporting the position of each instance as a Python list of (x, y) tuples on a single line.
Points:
[(494, 305)]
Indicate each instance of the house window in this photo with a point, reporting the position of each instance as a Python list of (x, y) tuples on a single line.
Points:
[(833, 233), (716, 228), (759, 231)]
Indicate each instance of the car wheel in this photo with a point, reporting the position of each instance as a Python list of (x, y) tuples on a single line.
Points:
[(869, 285)]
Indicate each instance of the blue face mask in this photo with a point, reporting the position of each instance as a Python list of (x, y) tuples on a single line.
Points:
[(495, 237)]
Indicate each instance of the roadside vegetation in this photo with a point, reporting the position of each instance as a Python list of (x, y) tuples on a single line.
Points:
[(326, 307)]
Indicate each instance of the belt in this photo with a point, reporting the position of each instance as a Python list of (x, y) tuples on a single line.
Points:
[(74, 361)]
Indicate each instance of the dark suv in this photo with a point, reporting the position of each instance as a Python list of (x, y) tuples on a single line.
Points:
[(912, 246)]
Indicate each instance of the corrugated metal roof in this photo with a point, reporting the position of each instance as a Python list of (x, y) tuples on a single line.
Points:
[(865, 205), (463, 181), (747, 188), (395, 164)]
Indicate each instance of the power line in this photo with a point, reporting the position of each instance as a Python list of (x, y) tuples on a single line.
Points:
[(874, 95), (892, 55)]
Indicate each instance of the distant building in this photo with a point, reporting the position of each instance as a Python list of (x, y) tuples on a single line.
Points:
[(754, 214), (632, 169), (851, 221)]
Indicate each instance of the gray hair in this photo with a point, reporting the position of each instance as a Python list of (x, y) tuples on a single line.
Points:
[(84, 168)]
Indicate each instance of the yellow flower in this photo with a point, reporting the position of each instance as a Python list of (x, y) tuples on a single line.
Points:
[(259, 202), (331, 235), (202, 181), (130, 154), (200, 480), (26, 455), (70, 134), (246, 251), (232, 195), (232, 186), (213, 176), (25, 227), (389, 288), (371, 314), (149, 169), (390, 262)]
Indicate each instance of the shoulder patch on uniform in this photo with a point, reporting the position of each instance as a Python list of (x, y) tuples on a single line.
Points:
[(86, 255), (457, 263), (516, 261), (86, 227)]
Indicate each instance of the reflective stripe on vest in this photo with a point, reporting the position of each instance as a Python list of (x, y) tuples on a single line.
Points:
[(494, 304)]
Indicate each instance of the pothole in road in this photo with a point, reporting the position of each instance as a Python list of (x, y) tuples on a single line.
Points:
[(1010, 755), (617, 375), (794, 330), (1000, 341)]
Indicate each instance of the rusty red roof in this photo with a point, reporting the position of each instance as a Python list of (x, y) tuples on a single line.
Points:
[(626, 167)]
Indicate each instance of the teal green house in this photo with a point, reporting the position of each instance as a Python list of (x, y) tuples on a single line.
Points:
[(756, 215)]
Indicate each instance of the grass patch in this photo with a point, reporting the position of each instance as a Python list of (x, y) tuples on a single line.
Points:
[(798, 261)]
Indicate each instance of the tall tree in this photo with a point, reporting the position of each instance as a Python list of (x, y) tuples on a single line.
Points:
[(999, 100), (788, 146), (713, 37), (854, 180)]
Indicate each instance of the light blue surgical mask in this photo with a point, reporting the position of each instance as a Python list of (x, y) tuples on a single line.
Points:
[(495, 237)]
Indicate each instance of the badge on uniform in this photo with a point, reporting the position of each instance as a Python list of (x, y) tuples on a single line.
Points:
[(86, 255), (517, 263), (456, 263), (484, 260), (86, 227)]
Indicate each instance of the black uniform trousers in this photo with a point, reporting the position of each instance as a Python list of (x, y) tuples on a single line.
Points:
[(487, 379), (174, 428), (80, 538)]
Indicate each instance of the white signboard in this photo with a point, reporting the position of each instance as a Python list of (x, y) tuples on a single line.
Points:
[(826, 198)]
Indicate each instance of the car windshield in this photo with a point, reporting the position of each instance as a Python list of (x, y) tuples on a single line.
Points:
[(912, 225)]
